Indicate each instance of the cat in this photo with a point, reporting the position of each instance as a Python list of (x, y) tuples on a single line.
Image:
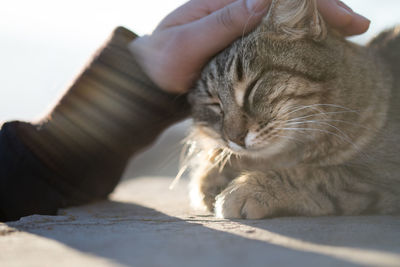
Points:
[(294, 120)]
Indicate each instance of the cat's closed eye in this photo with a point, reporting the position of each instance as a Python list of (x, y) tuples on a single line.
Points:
[(215, 107)]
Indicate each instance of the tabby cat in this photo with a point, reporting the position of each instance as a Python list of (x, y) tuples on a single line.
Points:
[(292, 119)]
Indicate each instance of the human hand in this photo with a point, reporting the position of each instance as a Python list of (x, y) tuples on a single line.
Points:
[(174, 54), (340, 16)]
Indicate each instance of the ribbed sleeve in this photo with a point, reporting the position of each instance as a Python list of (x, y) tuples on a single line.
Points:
[(111, 111)]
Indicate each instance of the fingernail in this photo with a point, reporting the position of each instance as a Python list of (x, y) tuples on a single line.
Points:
[(344, 16), (362, 22), (346, 11), (346, 7), (256, 6), (351, 11), (363, 18)]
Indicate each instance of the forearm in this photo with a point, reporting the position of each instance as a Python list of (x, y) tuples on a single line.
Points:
[(79, 151), (112, 105)]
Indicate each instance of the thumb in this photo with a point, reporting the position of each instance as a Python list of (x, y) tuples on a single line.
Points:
[(219, 29)]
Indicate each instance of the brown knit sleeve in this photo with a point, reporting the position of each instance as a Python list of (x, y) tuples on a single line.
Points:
[(109, 112)]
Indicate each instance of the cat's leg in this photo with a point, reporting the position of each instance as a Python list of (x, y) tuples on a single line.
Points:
[(258, 195), (206, 183)]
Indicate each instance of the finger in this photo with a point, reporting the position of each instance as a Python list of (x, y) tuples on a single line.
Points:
[(219, 29), (335, 14), (358, 25), (342, 17), (214, 5), (183, 14), (191, 11)]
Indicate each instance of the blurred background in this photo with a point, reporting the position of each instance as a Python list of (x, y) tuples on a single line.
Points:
[(44, 44)]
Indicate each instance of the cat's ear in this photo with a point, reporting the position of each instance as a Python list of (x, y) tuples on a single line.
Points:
[(295, 19)]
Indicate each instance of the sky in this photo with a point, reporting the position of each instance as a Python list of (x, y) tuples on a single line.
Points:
[(44, 43)]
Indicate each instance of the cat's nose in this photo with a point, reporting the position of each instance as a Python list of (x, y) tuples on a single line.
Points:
[(237, 137), (235, 128)]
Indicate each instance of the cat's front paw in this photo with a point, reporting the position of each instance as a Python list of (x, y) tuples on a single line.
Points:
[(245, 198)]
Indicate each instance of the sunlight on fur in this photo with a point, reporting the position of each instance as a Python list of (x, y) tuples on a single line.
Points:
[(293, 120)]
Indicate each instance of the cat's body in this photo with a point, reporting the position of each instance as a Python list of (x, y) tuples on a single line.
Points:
[(294, 120)]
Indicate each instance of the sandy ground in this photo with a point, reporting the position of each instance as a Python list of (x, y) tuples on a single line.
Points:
[(145, 224)]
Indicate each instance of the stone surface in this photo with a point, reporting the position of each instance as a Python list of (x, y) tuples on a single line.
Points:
[(146, 224)]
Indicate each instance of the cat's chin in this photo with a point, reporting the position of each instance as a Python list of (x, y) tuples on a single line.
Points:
[(255, 153), (259, 152), (238, 149), (235, 148)]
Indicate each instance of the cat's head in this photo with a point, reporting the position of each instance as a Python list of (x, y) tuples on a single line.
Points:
[(278, 89)]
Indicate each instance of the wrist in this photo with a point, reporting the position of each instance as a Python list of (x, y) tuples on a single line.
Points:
[(146, 57), (161, 62)]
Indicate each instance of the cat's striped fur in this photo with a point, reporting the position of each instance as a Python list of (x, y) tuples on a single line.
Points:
[(292, 119)]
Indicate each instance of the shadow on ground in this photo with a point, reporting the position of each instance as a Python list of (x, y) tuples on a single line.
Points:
[(134, 235), (145, 224)]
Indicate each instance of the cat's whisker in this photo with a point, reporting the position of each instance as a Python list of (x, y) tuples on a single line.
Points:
[(343, 138), (220, 156), (334, 127), (315, 107), (304, 107), (264, 129), (338, 106), (288, 137), (320, 112), (178, 176), (216, 159), (321, 123), (310, 129), (335, 106), (190, 151), (187, 155), (351, 123), (328, 120), (187, 150), (225, 160), (316, 114), (288, 108)]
